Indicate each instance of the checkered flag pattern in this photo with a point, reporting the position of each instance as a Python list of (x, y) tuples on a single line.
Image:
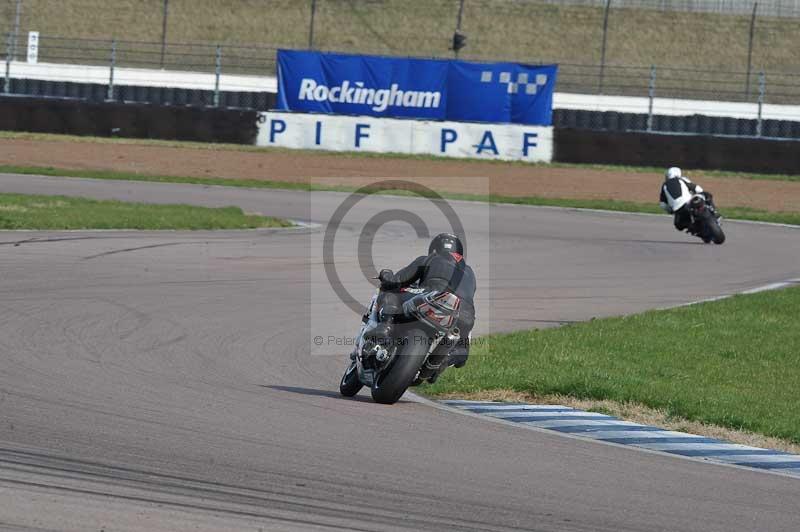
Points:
[(523, 83)]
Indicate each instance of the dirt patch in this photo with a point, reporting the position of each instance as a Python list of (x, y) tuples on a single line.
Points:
[(637, 414), (338, 169)]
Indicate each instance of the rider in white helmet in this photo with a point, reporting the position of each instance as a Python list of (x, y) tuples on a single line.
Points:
[(676, 192)]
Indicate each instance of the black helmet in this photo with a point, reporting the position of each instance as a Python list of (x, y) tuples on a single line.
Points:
[(444, 243)]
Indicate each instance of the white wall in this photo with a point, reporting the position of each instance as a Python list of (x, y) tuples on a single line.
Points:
[(673, 106), (228, 82), (141, 77), (388, 135)]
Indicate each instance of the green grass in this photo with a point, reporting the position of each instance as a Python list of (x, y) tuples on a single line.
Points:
[(733, 213), (733, 363), (19, 211), (527, 31)]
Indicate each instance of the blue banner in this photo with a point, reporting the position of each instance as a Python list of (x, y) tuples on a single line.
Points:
[(433, 89)]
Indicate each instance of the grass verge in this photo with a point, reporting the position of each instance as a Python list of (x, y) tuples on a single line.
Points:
[(51, 137), (734, 213), (19, 211), (733, 363)]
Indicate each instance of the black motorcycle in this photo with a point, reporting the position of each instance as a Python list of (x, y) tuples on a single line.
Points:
[(417, 351), (705, 220)]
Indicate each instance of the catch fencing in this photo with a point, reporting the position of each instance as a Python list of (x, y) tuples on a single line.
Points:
[(701, 49), (767, 8), (259, 61)]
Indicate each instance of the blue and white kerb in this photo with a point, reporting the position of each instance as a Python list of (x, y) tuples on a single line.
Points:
[(609, 429)]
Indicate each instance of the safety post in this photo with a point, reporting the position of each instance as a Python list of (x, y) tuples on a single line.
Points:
[(217, 73), (762, 88), (459, 39), (311, 25), (651, 93), (164, 17), (9, 52), (750, 50), (17, 13), (603, 48), (110, 95)]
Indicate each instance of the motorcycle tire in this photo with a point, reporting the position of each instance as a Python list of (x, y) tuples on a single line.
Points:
[(391, 384), (715, 231), (350, 385)]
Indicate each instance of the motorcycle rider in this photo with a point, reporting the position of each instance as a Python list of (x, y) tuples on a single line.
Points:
[(673, 194), (444, 268)]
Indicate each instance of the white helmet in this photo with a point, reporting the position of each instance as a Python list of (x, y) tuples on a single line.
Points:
[(672, 173)]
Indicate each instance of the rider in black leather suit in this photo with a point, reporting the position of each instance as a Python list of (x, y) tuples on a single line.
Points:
[(444, 268)]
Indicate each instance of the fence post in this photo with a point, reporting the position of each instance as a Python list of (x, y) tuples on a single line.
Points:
[(217, 73), (651, 91), (750, 50), (603, 48), (762, 88), (7, 83), (110, 95), (164, 31), (311, 24), (16, 28), (458, 27)]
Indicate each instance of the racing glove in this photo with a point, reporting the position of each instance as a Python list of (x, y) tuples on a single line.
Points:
[(385, 277)]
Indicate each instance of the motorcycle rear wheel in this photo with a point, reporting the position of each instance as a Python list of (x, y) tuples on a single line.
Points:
[(391, 384)]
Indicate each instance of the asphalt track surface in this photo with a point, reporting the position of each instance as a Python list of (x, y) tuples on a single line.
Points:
[(168, 381)]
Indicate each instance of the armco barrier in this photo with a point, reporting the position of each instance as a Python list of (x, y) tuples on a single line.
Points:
[(690, 151), (388, 135), (128, 120)]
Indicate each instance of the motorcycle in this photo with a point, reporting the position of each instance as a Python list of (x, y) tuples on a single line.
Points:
[(417, 352), (705, 220)]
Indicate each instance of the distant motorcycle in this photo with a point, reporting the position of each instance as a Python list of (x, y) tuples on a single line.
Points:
[(417, 352), (705, 220)]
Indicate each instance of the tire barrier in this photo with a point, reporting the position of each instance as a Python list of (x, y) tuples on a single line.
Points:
[(98, 92), (572, 145), (77, 117), (692, 124)]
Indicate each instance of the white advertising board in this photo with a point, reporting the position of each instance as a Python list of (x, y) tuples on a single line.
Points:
[(510, 142)]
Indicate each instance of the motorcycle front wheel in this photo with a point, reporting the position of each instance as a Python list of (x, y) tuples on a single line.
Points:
[(392, 383), (715, 232), (350, 385)]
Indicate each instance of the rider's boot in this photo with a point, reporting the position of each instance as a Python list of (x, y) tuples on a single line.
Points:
[(458, 356)]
